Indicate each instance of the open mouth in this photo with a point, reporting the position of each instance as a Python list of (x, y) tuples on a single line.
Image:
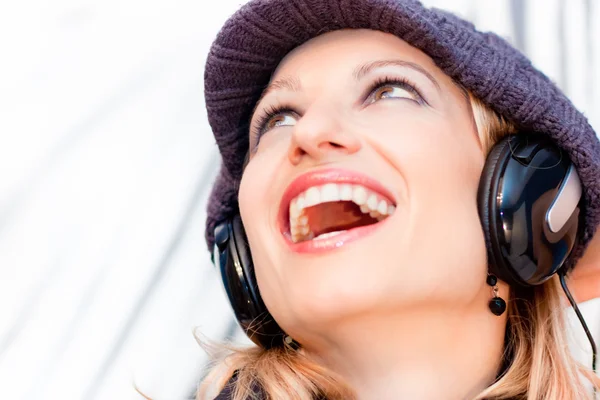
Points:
[(323, 211)]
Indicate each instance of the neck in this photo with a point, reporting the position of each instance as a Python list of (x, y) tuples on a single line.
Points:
[(422, 354)]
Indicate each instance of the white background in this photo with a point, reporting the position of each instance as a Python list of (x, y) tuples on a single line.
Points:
[(106, 161)]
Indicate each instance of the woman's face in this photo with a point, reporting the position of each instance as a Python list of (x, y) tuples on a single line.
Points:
[(360, 117)]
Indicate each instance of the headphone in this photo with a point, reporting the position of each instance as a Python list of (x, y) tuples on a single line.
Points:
[(529, 201)]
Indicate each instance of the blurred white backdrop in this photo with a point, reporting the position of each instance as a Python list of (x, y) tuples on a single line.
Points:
[(106, 161)]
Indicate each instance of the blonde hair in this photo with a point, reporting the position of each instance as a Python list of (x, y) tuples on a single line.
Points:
[(537, 361)]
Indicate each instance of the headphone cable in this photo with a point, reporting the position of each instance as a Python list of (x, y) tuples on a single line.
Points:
[(563, 283)]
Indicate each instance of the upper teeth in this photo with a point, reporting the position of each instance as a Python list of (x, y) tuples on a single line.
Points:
[(369, 202)]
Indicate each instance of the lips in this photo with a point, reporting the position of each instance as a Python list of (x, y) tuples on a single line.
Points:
[(342, 206)]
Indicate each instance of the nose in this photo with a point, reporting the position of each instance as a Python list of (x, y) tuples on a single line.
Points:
[(320, 134)]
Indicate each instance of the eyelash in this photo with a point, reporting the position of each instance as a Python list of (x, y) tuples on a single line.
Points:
[(266, 115), (274, 110)]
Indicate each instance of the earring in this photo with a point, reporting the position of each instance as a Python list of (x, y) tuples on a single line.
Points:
[(497, 305), (289, 341)]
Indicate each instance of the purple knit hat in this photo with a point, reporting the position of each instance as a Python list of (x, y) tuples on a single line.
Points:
[(257, 37)]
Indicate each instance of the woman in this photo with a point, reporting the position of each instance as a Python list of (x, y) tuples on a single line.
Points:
[(376, 152)]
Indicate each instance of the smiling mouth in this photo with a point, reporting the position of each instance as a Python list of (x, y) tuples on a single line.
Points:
[(324, 211)]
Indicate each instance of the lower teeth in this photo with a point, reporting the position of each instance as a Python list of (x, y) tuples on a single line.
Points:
[(328, 235)]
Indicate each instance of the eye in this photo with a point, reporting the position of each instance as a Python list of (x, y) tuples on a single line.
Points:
[(281, 119), (391, 91), (388, 88), (271, 118)]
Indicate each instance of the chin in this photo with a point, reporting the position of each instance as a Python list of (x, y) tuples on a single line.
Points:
[(330, 288)]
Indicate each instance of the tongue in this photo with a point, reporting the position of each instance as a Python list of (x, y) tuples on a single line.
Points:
[(336, 216)]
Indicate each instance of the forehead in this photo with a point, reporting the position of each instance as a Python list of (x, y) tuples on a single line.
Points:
[(335, 59), (340, 51)]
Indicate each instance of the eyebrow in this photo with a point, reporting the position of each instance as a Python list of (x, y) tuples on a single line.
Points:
[(293, 84), (290, 83)]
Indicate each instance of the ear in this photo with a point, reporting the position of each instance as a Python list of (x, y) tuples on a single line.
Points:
[(584, 280)]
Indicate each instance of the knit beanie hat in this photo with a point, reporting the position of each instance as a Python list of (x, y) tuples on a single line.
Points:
[(258, 36)]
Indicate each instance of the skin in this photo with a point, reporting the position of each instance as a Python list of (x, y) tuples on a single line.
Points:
[(402, 312), (584, 281)]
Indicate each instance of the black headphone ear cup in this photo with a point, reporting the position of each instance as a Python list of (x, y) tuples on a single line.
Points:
[(488, 184), (246, 264), (524, 175), (239, 279)]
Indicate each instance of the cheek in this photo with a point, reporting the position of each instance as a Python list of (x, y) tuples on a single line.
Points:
[(262, 178), (432, 151), (251, 188), (256, 208), (441, 163), (258, 205), (446, 211)]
